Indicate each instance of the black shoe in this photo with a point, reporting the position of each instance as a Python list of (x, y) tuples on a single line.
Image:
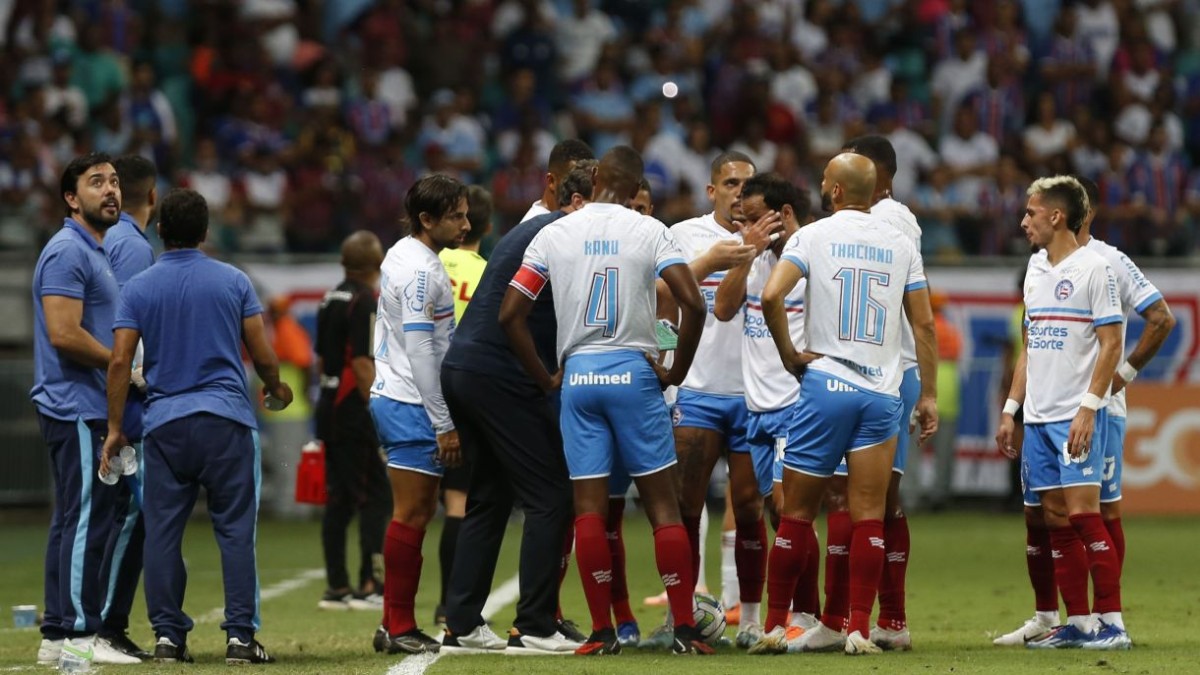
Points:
[(122, 643), (688, 641), (166, 651), (439, 616), (601, 643), (413, 642), (380, 641), (240, 653), (570, 631)]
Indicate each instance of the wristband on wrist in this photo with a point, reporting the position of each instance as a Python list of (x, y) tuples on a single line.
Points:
[(1011, 407), (1090, 401), (1127, 371)]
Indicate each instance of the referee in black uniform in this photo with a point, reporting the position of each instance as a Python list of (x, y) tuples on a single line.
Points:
[(355, 477), (509, 431)]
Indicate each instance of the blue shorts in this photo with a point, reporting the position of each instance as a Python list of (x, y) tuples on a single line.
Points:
[(612, 405), (768, 441), (406, 435), (1045, 464), (832, 418), (724, 414), (619, 480), (910, 391), (1114, 461)]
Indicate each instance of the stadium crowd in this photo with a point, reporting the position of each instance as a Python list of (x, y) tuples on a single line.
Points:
[(301, 121)]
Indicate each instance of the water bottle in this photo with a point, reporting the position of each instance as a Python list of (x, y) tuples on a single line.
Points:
[(74, 659), (273, 404), (116, 469), (129, 460)]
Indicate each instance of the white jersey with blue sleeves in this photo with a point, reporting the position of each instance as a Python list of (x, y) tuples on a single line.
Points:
[(899, 216), (769, 386), (858, 271), (1137, 293), (1063, 305), (602, 261), (717, 368), (414, 295)]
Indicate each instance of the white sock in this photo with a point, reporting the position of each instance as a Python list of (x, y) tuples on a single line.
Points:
[(1083, 622), (730, 592), (702, 578), (1113, 619), (1048, 618), (751, 615)]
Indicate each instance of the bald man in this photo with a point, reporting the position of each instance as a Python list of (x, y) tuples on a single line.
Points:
[(354, 472), (860, 278)]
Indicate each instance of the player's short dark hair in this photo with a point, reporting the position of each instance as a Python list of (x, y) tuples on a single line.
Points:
[(137, 175), (479, 213), (1067, 193), (728, 157), (777, 191), (577, 181), (876, 148), (69, 182), (565, 152), (1092, 190), (183, 219), (436, 195)]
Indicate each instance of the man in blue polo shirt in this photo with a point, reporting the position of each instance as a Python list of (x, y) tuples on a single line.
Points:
[(509, 428), (74, 298), (129, 253), (193, 314)]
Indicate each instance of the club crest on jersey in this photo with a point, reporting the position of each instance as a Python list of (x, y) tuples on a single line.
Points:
[(676, 415), (1064, 289)]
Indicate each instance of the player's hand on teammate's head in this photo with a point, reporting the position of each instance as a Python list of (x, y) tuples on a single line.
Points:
[(728, 253), (449, 452), (758, 233), (927, 416)]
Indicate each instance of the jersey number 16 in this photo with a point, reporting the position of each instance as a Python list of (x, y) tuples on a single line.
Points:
[(862, 316)]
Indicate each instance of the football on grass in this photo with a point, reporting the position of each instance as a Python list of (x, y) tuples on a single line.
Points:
[(709, 616)]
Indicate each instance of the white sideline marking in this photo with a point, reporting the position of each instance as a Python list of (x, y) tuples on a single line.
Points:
[(270, 592), (500, 597)]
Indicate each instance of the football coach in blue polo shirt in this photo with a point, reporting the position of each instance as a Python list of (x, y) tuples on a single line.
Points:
[(193, 314)]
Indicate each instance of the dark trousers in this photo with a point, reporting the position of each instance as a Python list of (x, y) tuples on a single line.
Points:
[(226, 459), (83, 518), (356, 481), (510, 435), (123, 557)]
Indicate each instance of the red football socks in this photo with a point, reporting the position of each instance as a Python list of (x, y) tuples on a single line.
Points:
[(1070, 569), (1040, 562), (1102, 561), (692, 526), (595, 567), (402, 574), (616, 546), (785, 565), (867, 553), (750, 554), (1117, 534), (672, 552), (807, 596), (895, 569), (837, 570)]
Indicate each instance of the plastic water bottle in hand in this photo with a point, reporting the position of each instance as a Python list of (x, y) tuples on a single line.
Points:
[(272, 403), (129, 460), (123, 463)]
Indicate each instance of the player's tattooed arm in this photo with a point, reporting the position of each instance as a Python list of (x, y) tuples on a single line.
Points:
[(1159, 324)]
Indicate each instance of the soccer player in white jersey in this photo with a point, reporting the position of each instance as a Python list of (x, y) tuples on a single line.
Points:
[(770, 390), (412, 332), (1139, 295), (710, 413), (563, 156), (601, 261), (860, 276), (891, 630), (1072, 343)]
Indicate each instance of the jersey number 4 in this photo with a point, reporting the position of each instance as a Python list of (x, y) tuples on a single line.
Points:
[(602, 302), (862, 316)]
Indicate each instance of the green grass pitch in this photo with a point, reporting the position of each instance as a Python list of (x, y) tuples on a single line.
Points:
[(967, 580)]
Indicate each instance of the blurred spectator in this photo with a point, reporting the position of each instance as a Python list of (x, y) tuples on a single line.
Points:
[(62, 96), (25, 181), (1048, 135), (519, 184), (1002, 204), (95, 70), (263, 188), (913, 153), (603, 111), (1157, 180), (207, 178), (1004, 37), (809, 34), (999, 103), (368, 115), (957, 75), (1116, 216), (968, 153), (395, 87), (1096, 24), (938, 204), (380, 184), (580, 36), (151, 119), (460, 138), (791, 83), (111, 133), (1070, 67)]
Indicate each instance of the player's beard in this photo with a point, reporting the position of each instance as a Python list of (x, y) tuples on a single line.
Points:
[(96, 218), (827, 202)]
